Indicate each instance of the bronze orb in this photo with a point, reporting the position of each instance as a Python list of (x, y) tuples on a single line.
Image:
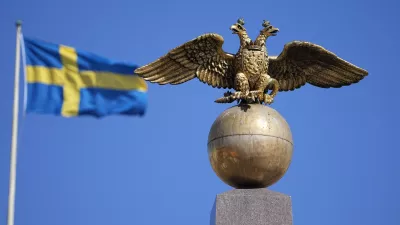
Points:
[(250, 146)]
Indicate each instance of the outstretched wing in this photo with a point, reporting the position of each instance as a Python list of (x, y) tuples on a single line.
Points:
[(201, 57), (304, 62)]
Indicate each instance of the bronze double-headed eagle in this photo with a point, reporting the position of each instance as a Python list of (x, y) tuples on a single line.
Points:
[(251, 72)]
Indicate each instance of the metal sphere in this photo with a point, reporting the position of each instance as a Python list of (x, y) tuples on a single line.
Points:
[(250, 146)]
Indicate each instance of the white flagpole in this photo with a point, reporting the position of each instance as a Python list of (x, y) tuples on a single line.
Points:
[(13, 161)]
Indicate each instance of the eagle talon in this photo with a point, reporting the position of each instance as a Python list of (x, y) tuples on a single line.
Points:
[(268, 99), (255, 96)]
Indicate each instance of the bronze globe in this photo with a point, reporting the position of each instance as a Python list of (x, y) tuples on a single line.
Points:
[(250, 146)]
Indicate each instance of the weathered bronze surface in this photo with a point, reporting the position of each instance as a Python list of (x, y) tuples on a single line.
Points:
[(251, 72), (250, 146)]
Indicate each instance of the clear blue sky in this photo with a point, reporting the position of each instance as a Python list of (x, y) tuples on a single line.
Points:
[(155, 169)]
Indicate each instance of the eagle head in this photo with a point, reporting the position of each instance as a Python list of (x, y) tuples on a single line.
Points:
[(238, 27), (269, 30)]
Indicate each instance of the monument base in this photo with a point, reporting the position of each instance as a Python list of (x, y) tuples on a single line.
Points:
[(252, 207)]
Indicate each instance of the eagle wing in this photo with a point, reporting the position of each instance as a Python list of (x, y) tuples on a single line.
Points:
[(304, 62), (201, 57)]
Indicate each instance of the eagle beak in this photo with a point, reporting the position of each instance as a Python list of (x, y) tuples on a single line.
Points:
[(234, 29), (274, 31)]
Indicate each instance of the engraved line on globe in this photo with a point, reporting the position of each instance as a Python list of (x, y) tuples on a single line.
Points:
[(266, 135)]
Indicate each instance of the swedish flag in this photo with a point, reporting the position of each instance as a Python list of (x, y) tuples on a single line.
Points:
[(62, 80)]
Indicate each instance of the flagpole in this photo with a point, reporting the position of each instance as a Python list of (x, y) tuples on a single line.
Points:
[(13, 160)]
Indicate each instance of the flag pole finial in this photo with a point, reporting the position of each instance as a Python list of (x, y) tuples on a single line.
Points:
[(18, 23)]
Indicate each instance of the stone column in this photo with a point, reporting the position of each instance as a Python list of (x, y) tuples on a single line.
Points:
[(252, 207)]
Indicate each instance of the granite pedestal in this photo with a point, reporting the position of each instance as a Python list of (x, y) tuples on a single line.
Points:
[(252, 207)]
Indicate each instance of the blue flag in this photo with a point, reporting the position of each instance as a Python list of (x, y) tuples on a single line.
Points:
[(64, 81)]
